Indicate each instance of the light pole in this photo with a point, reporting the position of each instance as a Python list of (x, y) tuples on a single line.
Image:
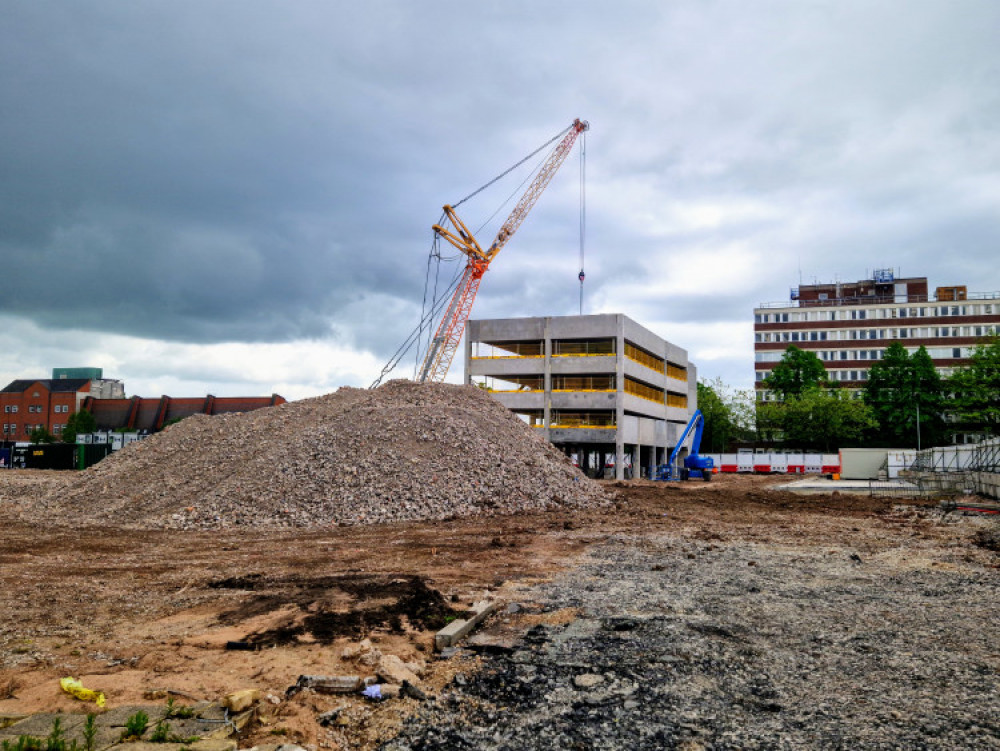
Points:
[(918, 425)]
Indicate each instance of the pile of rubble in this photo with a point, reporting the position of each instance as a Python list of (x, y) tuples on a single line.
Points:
[(404, 451)]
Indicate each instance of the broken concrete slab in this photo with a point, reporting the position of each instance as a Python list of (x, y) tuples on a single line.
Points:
[(241, 700), (40, 725), (459, 629), (117, 717), (201, 729), (328, 684), (214, 744), (391, 669), (500, 643)]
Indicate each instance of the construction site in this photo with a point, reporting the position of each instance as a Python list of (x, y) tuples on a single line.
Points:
[(538, 558)]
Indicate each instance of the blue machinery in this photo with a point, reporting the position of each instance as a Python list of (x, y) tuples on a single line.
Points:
[(694, 464)]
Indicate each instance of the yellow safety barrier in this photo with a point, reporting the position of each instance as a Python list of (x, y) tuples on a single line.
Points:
[(505, 357), (74, 687)]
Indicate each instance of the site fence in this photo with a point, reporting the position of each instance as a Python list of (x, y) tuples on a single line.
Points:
[(953, 470)]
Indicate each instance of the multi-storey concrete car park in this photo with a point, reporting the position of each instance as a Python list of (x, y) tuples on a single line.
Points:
[(600, 387)]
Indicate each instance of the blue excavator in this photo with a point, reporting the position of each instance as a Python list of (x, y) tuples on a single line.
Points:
[(694, 464)]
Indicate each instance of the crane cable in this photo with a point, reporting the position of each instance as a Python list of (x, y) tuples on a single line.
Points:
[(437, 303), (583, 211), (417, 333), (506, 172)]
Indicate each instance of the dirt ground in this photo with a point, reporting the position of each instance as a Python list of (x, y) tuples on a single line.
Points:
[(130, 613)]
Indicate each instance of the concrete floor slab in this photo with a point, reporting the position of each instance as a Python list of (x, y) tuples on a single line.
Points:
[(819, 485)]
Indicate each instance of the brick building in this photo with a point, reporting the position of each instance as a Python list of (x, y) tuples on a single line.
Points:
[(44, 403), (152, 414), (850, 325), (47, 403)]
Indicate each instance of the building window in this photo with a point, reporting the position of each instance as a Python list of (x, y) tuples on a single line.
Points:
[(570, 347), (13, 408), (581, 383), (57, 429), (956, 352), (643, 357)]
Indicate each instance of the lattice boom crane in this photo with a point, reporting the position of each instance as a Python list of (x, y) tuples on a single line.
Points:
[(449, 332)]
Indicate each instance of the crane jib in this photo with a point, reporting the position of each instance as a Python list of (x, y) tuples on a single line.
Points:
[(445, 341)]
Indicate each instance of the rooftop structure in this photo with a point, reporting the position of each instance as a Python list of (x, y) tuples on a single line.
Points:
[(600, 387)]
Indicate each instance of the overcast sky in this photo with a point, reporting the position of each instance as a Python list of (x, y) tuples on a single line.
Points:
[(235, 197)]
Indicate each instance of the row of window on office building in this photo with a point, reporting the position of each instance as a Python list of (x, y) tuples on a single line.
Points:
[(10, 429), (936, 353), (862, 314), (924, 332), (36, 408)]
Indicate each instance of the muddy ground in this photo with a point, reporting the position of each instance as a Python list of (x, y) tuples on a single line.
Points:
[(753, 618)]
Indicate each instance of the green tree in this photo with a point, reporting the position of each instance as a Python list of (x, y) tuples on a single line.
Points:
[(41, 435), (900, 387), (78, 422), (976, 391), (818, 419), (797, 372), (824, 420), (727, 413)]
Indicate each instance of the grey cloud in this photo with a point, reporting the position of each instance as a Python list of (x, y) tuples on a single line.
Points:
[(260, 171)]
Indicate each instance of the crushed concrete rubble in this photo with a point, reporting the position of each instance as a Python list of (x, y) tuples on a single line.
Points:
[(402, 452)]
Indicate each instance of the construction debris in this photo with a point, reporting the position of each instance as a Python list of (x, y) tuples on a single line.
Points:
[(402, 452), (327, 684)]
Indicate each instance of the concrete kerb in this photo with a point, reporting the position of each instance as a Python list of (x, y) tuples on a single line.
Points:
[(820, 486), (459, 629)]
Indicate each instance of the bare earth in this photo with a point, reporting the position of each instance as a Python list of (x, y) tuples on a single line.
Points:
[(130, 611)]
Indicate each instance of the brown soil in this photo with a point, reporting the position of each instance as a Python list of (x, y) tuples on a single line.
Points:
[(130, 611)]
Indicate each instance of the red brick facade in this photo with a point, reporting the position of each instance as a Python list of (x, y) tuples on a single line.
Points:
[(44, 403), (27, 405)]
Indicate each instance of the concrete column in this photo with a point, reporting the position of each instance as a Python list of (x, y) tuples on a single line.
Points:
[(620, 398), (468, 355), (547, 377)]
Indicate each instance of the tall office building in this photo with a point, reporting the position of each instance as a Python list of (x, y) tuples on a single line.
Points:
[(850, 325)]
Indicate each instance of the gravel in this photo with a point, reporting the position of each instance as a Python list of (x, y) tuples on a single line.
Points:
[(402, 452), (738, 647)]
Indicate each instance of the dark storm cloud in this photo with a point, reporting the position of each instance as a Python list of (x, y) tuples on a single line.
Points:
[(261, 171), (168, 177)]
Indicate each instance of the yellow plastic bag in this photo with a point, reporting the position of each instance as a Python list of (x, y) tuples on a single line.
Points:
[(74, 687)]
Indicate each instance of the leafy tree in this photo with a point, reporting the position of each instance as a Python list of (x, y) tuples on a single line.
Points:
[(976, 390), (824, 420), (816, 420), (727, 415), (797, 372), (900, 386), (78, 422), (41, 435)]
